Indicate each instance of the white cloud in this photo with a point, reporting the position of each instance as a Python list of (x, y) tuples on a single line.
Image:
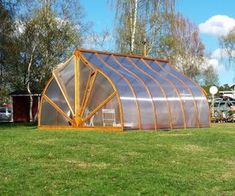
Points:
[(218, 25), (215, 64), (215, 60), (212, 62), (220, 53)]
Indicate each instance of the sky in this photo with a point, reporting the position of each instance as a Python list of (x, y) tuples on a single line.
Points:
[(213, 18)]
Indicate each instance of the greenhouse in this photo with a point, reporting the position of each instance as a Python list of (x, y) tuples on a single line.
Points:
[(109, 91)]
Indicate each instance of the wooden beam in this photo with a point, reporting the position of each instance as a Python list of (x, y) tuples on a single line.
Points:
[(99, 107), (57, 108), (91, 83), (63, 91), (77, 85)]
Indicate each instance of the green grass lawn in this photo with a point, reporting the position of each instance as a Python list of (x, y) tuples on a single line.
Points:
[(189, 162)]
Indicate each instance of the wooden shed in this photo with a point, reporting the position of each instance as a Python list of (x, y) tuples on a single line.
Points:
[(21, 105)]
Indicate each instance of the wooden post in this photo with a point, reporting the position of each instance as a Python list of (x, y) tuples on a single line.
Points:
[(77, 119), (77, 85)]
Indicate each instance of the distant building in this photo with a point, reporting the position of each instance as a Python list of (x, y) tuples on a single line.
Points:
[(232, 87), (228, 94), (21, 105)]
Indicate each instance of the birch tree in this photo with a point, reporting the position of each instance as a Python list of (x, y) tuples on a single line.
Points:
[(140, 23), (227, 44), (155, 25), (209, 77), (44, 41), (133, 20), (183, 47)]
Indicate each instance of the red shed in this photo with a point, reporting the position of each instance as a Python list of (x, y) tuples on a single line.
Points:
[(21, 104)]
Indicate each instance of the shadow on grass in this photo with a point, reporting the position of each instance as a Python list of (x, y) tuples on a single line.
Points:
[(12, 125)]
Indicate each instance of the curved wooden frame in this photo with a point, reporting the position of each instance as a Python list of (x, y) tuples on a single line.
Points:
[(77, 121), (128, 83), (177, 92), (158, 84), (185, 86), (200, 89), (146, 88), (57, 108), (41, 101), (81, 106), (169, 82), (111, 82)]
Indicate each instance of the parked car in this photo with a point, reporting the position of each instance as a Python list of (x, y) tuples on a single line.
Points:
[(5, 114), (224, 111)]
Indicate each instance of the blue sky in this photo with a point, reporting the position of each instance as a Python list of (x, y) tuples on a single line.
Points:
[(214, 17)]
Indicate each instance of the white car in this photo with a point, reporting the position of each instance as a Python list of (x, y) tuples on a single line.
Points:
[(5, 114)]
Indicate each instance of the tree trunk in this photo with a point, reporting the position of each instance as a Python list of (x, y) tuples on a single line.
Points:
[(133, 26), (28, 86)]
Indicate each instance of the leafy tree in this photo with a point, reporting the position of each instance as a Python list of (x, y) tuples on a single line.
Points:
[(7, 46), (44, 34), (45, 41), (209, 77), (225, 87), (227, 42), (140, 24), (184, 47), (154, 26)]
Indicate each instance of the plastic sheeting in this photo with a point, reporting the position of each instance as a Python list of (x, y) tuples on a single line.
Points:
[(147, 94)]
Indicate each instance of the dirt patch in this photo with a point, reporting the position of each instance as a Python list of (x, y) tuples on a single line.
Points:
[(133, 154), (87, 165), (229, 132), (191, 148), (46, 141), (175, 135), (230, 173)]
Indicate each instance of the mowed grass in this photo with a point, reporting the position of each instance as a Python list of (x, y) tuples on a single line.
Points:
[(188, 162)]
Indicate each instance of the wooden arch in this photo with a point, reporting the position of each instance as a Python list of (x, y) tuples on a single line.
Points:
[(77, 118)]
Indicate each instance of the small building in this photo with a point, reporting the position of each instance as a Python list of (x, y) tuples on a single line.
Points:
[(229, 94), (21, 105), (110, 91)]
